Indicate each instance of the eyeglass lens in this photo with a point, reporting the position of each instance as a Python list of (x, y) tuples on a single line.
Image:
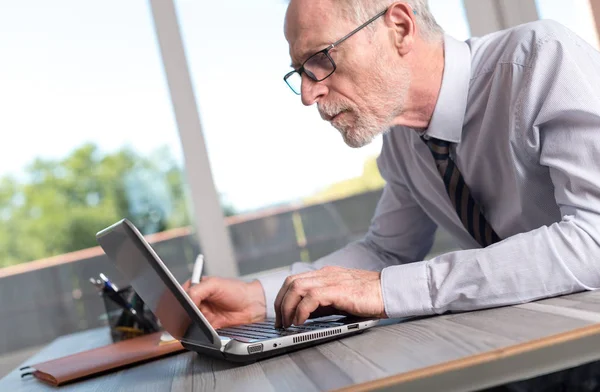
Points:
[(318, 67)]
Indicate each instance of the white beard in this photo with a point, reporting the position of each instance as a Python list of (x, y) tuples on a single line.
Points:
[(389, 89)]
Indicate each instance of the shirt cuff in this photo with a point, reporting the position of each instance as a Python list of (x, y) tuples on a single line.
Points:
[(271, 284), (405, 290)]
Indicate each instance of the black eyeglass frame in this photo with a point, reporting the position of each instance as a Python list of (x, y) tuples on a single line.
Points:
[(326, 53)]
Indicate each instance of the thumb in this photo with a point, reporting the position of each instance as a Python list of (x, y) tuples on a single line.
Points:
[(201, 291)]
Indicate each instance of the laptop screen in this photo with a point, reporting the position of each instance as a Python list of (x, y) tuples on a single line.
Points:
[(154, 283)]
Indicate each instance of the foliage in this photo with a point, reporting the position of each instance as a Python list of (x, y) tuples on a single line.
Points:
[(369, 180), (59, 205)]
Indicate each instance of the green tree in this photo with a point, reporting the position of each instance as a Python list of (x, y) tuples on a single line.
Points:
[(369, 180), (59, 205)]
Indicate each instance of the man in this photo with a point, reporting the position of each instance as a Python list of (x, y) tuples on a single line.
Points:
[(497, 140)]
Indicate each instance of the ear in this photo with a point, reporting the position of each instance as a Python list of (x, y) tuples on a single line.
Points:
[(400, 18)]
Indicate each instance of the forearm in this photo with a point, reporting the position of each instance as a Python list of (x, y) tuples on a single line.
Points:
[(548, 261), (400, 232)]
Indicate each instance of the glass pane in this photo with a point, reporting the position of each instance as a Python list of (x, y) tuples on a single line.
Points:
[(575, 15), (296, 190), (451, 16), (88, 138)]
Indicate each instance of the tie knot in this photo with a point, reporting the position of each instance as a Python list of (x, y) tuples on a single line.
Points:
[(439, 148)]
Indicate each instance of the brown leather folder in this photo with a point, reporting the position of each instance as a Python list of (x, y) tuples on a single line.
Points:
[(104, 359)]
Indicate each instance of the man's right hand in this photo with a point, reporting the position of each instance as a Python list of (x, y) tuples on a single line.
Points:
[(227, 302)]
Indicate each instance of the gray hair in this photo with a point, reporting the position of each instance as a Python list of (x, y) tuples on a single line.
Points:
[(359, 11)]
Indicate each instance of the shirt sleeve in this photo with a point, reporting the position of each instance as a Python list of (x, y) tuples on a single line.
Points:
[(561, 97), (400, 232)]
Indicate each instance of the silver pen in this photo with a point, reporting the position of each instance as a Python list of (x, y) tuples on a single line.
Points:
[(197, 271)]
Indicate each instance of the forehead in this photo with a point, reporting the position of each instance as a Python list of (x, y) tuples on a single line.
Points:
[(312, 25)]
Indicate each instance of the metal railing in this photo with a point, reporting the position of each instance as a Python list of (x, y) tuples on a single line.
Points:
[(46, 302)]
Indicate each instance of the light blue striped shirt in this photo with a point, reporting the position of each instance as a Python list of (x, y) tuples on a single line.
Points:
[(523, 107)]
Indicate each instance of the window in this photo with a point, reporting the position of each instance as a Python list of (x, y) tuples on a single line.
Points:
[(450, 14), (88, 137), (575, 15), (297, 190)]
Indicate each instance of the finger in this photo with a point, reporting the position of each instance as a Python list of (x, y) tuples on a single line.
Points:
[(296, 291), (331, 273), (311, 302), (188, 283), (279, 298), (282, 292), (203, 290)]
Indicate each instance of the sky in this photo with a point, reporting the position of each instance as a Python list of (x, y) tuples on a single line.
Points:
[(77, 71)]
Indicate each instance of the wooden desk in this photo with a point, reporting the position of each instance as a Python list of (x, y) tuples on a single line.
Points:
[(451, 352)]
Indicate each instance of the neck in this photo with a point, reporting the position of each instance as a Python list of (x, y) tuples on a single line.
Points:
[(427, 68)]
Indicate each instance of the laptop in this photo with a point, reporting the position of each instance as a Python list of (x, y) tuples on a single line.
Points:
[(180, 317)]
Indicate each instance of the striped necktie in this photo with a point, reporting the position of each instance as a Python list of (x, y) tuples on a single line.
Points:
[(467, 208)]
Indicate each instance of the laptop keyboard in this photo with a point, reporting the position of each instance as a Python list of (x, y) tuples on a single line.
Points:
[(266, 330)]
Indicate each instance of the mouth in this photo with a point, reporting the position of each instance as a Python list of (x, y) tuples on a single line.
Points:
[(336, 116)]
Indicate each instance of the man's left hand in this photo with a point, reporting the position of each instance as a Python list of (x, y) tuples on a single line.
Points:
[(349, 291)]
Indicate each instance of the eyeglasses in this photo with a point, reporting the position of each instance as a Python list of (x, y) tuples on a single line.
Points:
[(320, 65)]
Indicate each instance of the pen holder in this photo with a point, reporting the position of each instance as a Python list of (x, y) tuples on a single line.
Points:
[(123, 323)]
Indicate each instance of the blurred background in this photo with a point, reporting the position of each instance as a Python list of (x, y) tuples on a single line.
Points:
[(90, 135)]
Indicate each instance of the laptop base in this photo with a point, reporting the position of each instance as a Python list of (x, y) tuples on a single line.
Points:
[(251, 358)]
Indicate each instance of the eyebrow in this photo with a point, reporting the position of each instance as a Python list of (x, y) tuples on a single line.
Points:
[(307, 54)]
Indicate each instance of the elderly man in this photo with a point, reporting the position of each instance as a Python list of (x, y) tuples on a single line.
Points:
[(495, 139)]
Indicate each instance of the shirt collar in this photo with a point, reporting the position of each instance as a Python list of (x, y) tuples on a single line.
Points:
[(449, 113)]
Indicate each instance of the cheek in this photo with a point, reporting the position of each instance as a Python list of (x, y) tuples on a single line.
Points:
[(351, 88), (363, 84)]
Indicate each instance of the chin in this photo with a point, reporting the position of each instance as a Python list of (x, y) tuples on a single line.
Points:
[(356, 140), (357, 133)]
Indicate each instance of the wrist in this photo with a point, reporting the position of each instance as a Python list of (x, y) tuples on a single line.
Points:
[(257, 301)]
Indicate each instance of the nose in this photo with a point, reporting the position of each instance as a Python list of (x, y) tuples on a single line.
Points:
[(312, 91)]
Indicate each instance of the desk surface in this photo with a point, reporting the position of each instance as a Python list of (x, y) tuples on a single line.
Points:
[(471, 350)]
